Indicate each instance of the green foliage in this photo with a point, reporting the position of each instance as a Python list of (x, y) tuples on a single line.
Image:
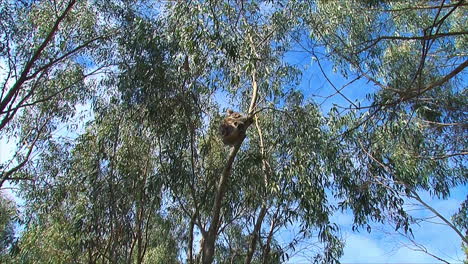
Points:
[(8, 220), (137, 183), (460, 219), (107, 195), (53, 242), (48, 55)]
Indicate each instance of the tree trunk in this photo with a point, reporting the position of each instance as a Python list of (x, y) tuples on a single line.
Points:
[(208, 245), (190, 242), (209, 240)]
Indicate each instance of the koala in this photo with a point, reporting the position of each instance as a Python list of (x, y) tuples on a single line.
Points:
[(233, 127)]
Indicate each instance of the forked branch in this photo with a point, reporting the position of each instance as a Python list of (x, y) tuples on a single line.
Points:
[(209, 239)]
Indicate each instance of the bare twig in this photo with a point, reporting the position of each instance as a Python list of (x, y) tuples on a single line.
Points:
[(418, 198)]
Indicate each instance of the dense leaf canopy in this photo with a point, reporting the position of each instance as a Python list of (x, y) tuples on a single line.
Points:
[(112, 111)]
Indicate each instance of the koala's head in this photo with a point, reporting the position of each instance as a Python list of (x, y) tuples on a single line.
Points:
[(239, 125)]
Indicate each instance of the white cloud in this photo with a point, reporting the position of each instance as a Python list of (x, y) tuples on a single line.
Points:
[(344, 219), (361, 248), (384, 245)]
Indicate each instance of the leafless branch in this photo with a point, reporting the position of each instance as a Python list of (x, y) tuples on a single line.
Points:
[(418, 198), (416, 7), (338, 91)]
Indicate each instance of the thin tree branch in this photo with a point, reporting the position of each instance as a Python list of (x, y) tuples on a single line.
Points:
[(419, 8), (445, 79), (418, 198), (66, 55), (425, 37), (263, 210), (41, 100), (24, 73), (253, 101), (331, 83), (6, 175), (208, 245)]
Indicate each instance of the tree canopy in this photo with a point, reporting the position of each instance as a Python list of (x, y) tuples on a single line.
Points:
[(112, 110)]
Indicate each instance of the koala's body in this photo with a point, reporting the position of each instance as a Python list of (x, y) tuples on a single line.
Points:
[(233, 127)]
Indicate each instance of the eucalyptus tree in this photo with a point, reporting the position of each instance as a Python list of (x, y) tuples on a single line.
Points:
[(45, 56), (104, 188), (410, 139), (237, 50), (153, 153), (104, 192), (8, 219), (411, 135)]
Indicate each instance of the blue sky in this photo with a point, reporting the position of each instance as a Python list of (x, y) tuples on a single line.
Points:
[(383, 244)]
